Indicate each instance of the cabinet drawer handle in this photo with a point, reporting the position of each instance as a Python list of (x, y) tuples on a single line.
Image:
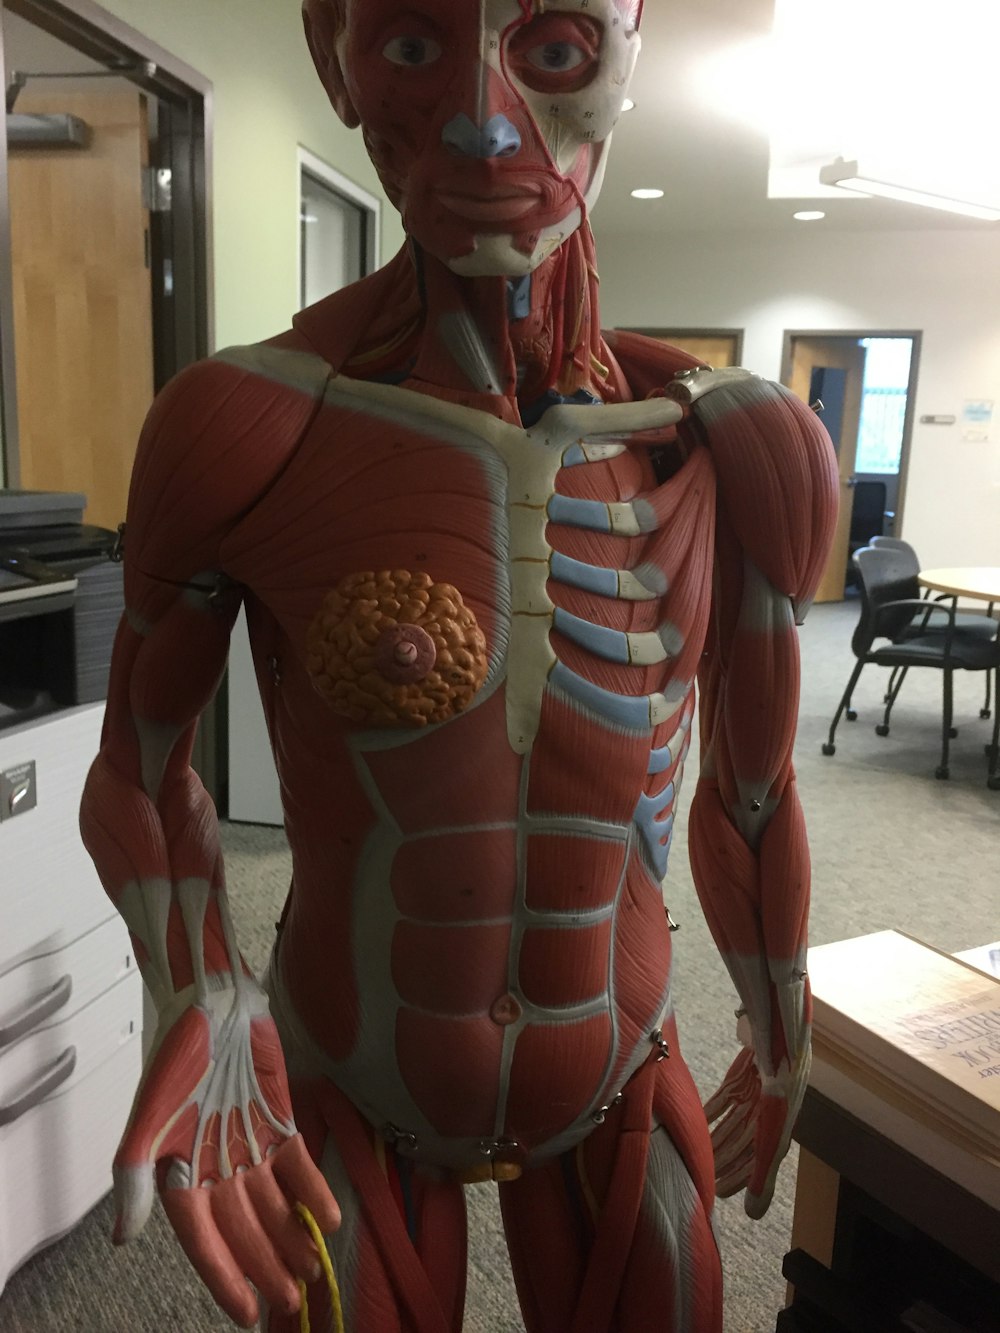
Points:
[(36, 1011), (47, 1083)]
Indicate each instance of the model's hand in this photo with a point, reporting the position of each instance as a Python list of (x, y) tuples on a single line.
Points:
[(752, 1118), (212, 1123)]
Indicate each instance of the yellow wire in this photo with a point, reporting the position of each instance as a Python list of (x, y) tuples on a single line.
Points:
[(326, 1263)]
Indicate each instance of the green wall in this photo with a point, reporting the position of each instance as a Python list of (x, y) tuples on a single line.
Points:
[(268, 100)]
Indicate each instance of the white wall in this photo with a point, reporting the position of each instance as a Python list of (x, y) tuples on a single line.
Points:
[(268, 100), (943, 283)]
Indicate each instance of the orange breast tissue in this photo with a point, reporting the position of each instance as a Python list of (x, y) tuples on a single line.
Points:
[(395, 649)]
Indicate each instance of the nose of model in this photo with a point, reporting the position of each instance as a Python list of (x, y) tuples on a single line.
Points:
[(496, 138)]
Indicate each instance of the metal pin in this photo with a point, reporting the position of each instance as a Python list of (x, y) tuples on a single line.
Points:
[(399, 1138), (490, 1147), (602, 1111), (755, 807), (670, 920), (817, 406), (658, 1040)]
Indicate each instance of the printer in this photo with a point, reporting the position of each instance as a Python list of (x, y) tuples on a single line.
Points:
[(61, 598)]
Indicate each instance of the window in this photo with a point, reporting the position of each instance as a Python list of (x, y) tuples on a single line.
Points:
[(338, 230), (883, 404)]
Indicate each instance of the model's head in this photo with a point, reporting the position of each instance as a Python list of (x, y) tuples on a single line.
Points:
[(487, 120)]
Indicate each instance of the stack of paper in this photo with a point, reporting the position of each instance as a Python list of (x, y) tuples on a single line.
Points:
[(908, 1038)]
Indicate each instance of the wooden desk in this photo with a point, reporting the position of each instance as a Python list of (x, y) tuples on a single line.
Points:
[(865, 1208), (980, 582)]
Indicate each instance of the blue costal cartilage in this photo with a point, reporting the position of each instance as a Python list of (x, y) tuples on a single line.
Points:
[(660, 760), (611, 644), (653, 829), (590, 514), (591, 578), (630, 712)]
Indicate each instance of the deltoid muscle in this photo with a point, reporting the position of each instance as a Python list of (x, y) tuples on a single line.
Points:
[(486, 552)]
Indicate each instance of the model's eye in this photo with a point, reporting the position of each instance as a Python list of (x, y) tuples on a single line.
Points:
[(412, 51), (556, 56), (556, 52)]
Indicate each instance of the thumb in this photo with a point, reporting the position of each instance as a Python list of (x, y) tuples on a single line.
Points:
[(162, 1122), (133, 1192)]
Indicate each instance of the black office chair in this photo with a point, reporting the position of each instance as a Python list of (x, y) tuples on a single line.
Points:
[(887, 611), (972, 622)]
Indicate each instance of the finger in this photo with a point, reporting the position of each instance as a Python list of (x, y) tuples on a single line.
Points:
[(302, 1181), (774, 1133), (740, 1077), (190, 1214), (158, 1125), (737, 1114), (734, 1136), (735, 1178), (240, 1228), (281, 1223)]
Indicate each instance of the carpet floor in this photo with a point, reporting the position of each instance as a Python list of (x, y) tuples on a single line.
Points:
[(891, 847)]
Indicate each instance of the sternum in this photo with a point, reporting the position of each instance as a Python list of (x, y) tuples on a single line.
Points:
[(532, 471)]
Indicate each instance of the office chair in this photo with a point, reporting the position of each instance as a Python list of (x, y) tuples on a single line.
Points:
[(886, 612), (975, 622)]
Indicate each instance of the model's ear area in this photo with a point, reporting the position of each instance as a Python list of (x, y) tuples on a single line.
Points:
[(322, 30)]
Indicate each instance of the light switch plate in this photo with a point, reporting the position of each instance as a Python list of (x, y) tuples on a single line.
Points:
[(18, 790)]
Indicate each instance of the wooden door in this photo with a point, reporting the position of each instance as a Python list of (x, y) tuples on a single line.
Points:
[(842, 418), (715, 349), (718, 350), (83, 335)]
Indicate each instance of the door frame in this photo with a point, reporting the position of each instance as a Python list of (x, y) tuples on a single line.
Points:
[(916, 338), (184, 325)]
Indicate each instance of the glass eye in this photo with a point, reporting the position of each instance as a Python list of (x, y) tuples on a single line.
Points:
[(412, 51), (556, 56)]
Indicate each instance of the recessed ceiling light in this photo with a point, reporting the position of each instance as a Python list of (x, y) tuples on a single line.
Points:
[(808, 215), (647, 194), (628, 104)]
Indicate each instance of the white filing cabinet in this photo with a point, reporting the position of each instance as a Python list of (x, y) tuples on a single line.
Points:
[(70, 998)]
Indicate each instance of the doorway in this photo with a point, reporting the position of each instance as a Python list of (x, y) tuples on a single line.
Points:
[(105, 256), (106, 272), (863, 387)]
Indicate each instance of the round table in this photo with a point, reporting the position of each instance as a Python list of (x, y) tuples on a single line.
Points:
[(981, 582)]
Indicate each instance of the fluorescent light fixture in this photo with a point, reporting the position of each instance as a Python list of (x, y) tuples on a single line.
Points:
[(647, 194), (848, 176), (628, 104), (808, 215)]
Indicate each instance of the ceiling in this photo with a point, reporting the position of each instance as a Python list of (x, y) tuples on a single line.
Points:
[(711, 161), (689, 134)]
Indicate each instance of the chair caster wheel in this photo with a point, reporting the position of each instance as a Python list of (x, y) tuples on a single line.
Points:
[(851, 715), (994, 782), (828, 748), (881, 729), (942, 772), (985, 713), (953, 732)]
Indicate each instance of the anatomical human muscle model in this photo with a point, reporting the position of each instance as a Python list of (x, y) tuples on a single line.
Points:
[(485, 552)]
